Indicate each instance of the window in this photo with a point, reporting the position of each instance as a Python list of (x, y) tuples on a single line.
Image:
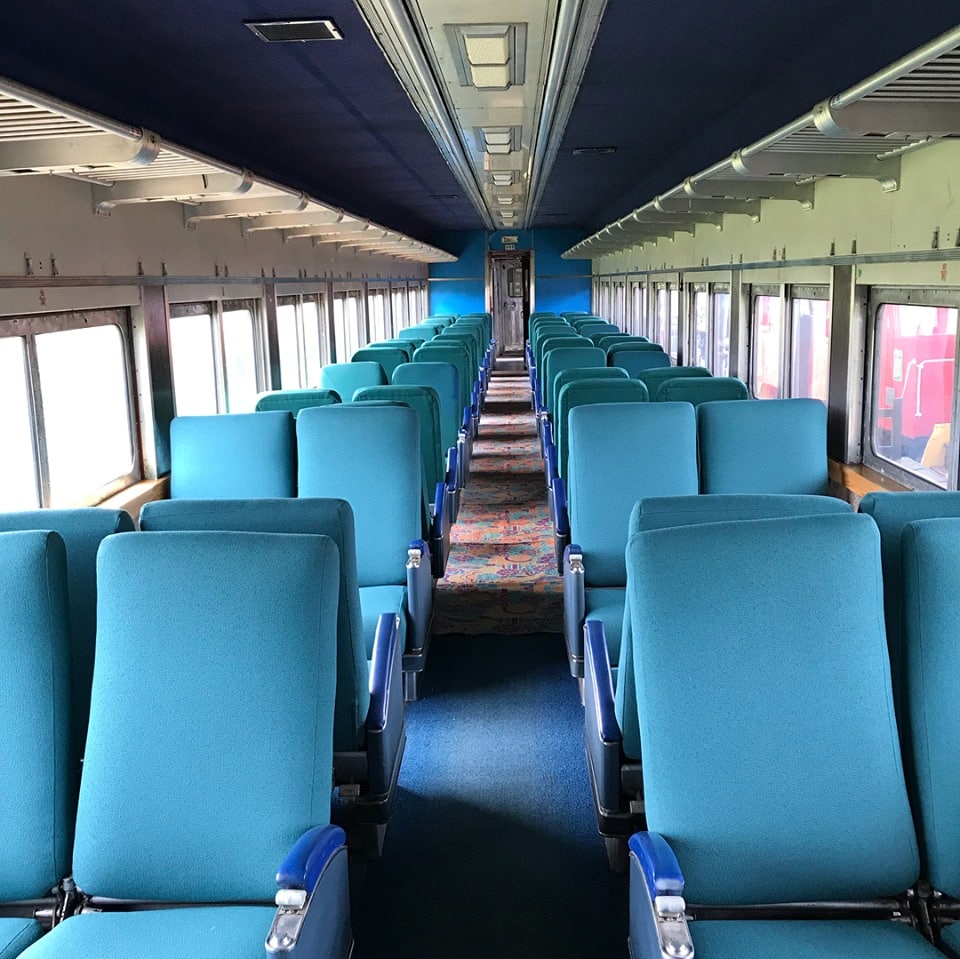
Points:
[(619, 315), (810, 348), (637, 312), (18, 478), (721, 332), (401, 317), (767, 347), (913, 389), (674, 341), (215, 351), (346, 324), (67, 429), (700, 310), (377, 307), (301, 341), (415, 311)]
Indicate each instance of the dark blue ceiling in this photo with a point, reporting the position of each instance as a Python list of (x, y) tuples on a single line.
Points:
[(675, 85)]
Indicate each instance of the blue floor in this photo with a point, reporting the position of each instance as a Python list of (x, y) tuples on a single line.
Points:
[(492, 849)]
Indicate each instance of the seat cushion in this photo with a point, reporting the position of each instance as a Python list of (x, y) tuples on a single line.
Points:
[(16, 935), (215, 932), (375, 600), (809, 939), (951, 940), (606, 605)]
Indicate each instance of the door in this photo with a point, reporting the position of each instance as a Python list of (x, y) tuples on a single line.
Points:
[(510, 299)]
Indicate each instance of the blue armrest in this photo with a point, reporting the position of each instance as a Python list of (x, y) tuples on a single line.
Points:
[(550, 449), (574, 607), (385, 717), (452, 481), (658, 921), (557, 497), (419, 595), (595, 648), (303, 865), (313, 904), (658, 864), (440, 531)]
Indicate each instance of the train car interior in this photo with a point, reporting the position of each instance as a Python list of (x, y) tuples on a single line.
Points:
[(479, 479)]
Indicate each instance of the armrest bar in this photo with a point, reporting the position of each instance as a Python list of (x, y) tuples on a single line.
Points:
[(595, 641), (303, 865), (419, 594), (658, 863), (562, 518), (384, 653)]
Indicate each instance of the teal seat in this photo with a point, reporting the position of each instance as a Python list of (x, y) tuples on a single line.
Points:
[(346, 378), (369, 455), (233, 455), (611, 339), (407, 346), (764, 446), (653, 378), (389, 357), (553, 340), (368, 721), (582, 392), (613, 751), (637, 361), (425, 401), (447, 350), (192, 794), (295, 400), (930, 559), (444, 379), (39, 758), (789, 786), (892, 512), (82, 531), (697, 390), (619, 452), (568, 376)]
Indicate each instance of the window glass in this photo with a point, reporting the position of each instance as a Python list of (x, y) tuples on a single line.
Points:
[(701, 328), (913, 388), (83, 382), (289, 347), (378, 316), (674, 348), (340, 327), (810, 357), (636, 324), (352, 324), (18, 475), (767, 343), (313, 342), (661, 334), (721, 334), (240, 360), (194, 372)]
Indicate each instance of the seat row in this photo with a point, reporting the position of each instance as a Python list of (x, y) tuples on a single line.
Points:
[(201, 820), (368, 454), (620, 453), (799, 769)]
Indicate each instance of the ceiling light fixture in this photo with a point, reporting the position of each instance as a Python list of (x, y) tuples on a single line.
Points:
[(593, 151), (489, 56), (301, 31)]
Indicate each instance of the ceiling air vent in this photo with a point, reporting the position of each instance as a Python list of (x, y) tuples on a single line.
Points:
[(301, 31), (593, 151)]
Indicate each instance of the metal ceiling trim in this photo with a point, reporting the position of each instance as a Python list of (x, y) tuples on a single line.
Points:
[(397, 36), (790, 148), (578, 22)]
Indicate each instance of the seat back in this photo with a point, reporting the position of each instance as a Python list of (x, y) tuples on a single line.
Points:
[(789, 785), (233, 455), (892, 512), (697, 390), (38, 758), (325, 517), (346, 378), (368, 455), (636, 361), (82, 531), (930, 556), (578, 373), (469, 338), (444, 380), (611, 339), (566, 358), (450, 351), (194, 789), (426, 403), (295, 400), (768, 446), (406, 346), (653, 378), (555, 340), (389, 358), (583, 392), (618, 454)]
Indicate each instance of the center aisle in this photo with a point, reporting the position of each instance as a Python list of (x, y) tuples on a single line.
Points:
[(492, 849)]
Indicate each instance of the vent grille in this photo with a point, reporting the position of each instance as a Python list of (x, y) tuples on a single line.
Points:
[(294, 31)]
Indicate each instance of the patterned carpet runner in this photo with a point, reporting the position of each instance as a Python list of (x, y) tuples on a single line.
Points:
[(501, 575)]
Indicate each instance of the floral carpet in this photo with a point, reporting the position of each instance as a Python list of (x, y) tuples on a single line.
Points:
[(501, 575)]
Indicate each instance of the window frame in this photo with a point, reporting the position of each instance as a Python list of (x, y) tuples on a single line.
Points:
[(878, 297), (27, 328), (803, 291), (767, 290)]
